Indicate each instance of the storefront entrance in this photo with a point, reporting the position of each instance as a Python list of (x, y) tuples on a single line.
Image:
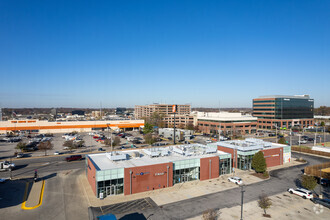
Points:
[(185, 175), (111, 190), (225, 166), (184, 178)]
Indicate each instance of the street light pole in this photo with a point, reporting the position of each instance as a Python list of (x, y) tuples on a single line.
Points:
[(242, 198), (315, 137), (290, 137)]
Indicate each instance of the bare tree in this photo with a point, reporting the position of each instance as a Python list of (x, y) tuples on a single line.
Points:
[(47, 145), (264, 202), (210, 214)]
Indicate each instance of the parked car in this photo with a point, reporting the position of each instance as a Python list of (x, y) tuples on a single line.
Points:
[(324, 202), (271, 135), (325, 182), (236, 180), (208, 141), (306, 194), (73, 158), (310, 139), (100, 149)]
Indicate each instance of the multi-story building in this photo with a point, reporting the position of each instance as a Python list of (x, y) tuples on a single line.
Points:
[(182, 116), (231, 123), (284, 111)]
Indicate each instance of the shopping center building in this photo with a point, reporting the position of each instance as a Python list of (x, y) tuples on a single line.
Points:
[(134, 171), (141, 170), (37, 126), (242, 152)]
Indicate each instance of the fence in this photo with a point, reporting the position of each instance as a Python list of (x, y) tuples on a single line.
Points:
[(315, 170), (300, 149)]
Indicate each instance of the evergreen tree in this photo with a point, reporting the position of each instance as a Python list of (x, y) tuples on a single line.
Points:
[(259, 162)]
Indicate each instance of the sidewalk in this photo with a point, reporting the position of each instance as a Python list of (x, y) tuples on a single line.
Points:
[(33, 199), (284, 206)]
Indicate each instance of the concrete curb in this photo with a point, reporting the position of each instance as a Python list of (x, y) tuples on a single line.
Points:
[(40, 197)]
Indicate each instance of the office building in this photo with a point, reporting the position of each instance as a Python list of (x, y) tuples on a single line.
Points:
[(231, 123), (182, 116), (284, 111)]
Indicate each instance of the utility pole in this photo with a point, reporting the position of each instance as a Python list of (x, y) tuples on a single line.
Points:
[(315, 137), (10, 169), (290, 137), (324, 134), (174, 109), (242, 198)]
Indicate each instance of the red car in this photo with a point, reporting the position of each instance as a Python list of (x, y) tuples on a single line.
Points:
[(73, 158)]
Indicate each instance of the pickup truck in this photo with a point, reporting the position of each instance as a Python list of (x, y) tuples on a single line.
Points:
[(5, 165)]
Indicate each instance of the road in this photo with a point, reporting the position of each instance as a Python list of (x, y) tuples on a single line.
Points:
[(26, 167), (279, 182)]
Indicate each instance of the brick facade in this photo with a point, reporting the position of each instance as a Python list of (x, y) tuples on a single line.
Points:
[(146, 178), (205, 168), (91, 174), (274, 157)]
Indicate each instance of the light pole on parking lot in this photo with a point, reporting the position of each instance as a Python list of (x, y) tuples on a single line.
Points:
[(242, 198)]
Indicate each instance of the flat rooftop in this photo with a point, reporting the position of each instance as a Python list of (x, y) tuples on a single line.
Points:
[(249, 144), (285, 96), (144, 157)]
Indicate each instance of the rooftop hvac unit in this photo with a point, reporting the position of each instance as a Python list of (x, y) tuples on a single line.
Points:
[(114, 156), (135, 154)]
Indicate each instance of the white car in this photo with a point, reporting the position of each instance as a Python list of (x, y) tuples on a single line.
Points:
[(235, 180), (56, 153), (302, 142), (306, 194), (208, 141)]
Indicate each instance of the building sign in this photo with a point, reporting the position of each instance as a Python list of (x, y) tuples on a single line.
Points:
[(174, 108), (142, 173), (275, 155), (160, 174)]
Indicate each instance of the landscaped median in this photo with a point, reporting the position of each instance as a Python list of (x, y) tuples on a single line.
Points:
[(33, 199)]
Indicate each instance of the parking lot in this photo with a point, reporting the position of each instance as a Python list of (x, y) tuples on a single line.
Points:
[(7, 149)]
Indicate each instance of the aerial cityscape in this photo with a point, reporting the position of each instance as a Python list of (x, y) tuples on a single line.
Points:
[(199, 110)]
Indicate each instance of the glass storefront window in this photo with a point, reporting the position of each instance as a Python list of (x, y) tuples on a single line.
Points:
[(185, 175), (225, 166), (110, 187), (244, 162)]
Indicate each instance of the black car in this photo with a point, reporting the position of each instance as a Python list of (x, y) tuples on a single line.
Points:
[(325, 182), (324, 202), (304, 137), (310, 139)]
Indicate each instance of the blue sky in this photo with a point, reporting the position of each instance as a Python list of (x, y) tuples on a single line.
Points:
[(124, 53)]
